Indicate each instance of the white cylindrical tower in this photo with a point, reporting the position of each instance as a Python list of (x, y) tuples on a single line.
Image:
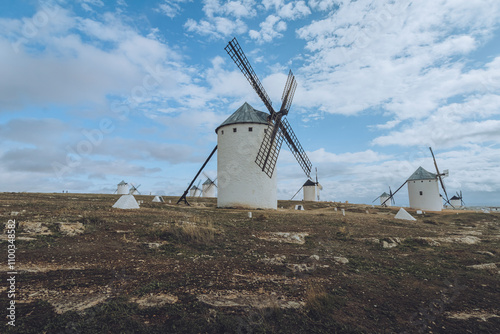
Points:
[(194, 191), (456, 202), (423, 191), (122, 188), (241, 182), (208, 189), (384, 198), (309, 189)]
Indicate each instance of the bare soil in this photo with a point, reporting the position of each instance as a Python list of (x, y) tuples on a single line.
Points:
[(84, 267)]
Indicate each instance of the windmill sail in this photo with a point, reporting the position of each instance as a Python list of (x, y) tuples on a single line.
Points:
[(296, 148), (440, 179), (234, 50), (278, 128), (288, 93)]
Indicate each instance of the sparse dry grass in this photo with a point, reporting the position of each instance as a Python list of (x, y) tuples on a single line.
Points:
[(189, 232)]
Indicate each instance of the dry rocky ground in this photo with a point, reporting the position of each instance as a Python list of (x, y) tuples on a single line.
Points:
[(84, 267)]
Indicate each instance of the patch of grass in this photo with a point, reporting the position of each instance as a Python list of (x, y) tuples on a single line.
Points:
[(42, 241), (320, 303), (189, 232), (153, 286), (92, 223)]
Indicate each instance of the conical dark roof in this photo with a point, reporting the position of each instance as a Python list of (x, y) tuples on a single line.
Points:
[(422, 174), (245, 114), (122, 183), (309, 183)]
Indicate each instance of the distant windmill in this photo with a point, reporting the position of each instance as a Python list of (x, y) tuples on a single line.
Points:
[(384, 197), (249, 142), (122, 188), (195, 191), (134, 191), (311, 189), (457, 200), (208, 187), (423, 189)]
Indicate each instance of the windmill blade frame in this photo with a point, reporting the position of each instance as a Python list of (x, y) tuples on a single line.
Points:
[(288, 93), (278, 127), (234, 50), (269, 149), (295, 147), (440, 179)]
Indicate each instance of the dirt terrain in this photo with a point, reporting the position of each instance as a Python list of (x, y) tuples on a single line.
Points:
[(84, 267)]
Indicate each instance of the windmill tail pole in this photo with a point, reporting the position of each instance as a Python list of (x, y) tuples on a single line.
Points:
[(183, 197), (394, 193), (440, 179), (296, 193)]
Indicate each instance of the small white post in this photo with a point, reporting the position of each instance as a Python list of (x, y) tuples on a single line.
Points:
[(249, 215)]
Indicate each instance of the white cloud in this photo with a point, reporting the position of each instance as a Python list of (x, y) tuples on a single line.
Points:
[(290, 11), (61, 68), (323, 5), (171, 8), (405, 60), (216, 27), (87, 4), (236, 9), (270, 29)]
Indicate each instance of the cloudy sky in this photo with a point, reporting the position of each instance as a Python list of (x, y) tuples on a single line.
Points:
[(93, 92)]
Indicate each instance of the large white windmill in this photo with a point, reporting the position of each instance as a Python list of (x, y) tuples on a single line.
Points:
[(423, 189), (249, 142)]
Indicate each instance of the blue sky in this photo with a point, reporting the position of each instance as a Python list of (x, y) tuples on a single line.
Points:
[(93, 92)]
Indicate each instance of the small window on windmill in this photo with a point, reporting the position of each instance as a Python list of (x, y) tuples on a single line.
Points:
[(250, 129), (421, 193), (234, 129), (265, 130), (222, 132)]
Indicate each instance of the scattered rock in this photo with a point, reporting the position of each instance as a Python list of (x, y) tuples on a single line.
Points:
[(429, 241), (76, 302), (314, 258), (288, 237), (71, 229), (485, 266), (245, 299), (468, 240), (391, 242), (486, 253), (340, 260), (155, 300), (301, 267), (371, 240), (481, 315), (276, 260), (37, 228), (154, 245)]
